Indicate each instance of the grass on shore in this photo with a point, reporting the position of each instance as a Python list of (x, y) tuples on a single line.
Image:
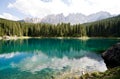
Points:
[(109, 74)]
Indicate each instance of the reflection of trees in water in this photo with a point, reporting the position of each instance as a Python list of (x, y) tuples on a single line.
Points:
[(40, 44), (8, 46), (56, 47)]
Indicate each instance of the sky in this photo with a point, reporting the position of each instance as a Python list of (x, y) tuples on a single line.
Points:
[(20, 9)]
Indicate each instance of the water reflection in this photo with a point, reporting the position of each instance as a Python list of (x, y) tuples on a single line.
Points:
[(60, 47), (39, 61), (41, 58), (10, 55)]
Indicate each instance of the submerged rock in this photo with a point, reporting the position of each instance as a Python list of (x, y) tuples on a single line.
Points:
[(112, 56)]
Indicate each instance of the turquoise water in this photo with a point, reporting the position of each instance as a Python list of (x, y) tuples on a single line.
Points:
[(50, 58)]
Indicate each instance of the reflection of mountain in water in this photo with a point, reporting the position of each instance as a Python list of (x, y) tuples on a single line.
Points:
[(56, 47), (38, 62), (45, 58)]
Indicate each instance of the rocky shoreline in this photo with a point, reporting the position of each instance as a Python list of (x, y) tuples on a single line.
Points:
[(27, 37), (13, 37), (112, 56)]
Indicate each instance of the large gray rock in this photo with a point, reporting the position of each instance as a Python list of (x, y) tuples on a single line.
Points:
[(112, 56)]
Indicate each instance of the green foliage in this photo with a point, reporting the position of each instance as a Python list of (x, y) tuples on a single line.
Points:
[(109, 74), (104, 28)]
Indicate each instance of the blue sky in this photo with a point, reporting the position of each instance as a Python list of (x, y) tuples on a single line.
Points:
[(20, 9)]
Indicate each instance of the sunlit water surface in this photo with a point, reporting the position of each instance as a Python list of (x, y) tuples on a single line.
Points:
[(50, 58)]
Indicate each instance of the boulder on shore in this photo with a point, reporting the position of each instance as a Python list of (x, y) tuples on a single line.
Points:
[(112, 56), (6, 37)]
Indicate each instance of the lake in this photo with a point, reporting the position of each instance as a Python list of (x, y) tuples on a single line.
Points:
[(48, 58)]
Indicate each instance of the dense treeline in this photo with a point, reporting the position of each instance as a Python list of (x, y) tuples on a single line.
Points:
[(108, 28), (12, 28), (104, 28)]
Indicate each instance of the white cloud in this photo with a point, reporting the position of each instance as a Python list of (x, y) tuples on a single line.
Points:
[(9, 55), (41, 61), (9, 16), (39, 8)]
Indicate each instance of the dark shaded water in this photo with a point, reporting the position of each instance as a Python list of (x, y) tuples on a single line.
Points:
[(48, 58)]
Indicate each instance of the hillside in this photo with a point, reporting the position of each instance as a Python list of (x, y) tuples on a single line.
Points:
[(103, 28), (108, 27)]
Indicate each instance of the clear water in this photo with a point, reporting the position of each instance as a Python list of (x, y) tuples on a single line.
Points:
[(51, 58)]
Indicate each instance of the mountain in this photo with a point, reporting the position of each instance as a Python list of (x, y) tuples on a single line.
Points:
[(98, 16), (32, 20), (71, 18), (53, 19)]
